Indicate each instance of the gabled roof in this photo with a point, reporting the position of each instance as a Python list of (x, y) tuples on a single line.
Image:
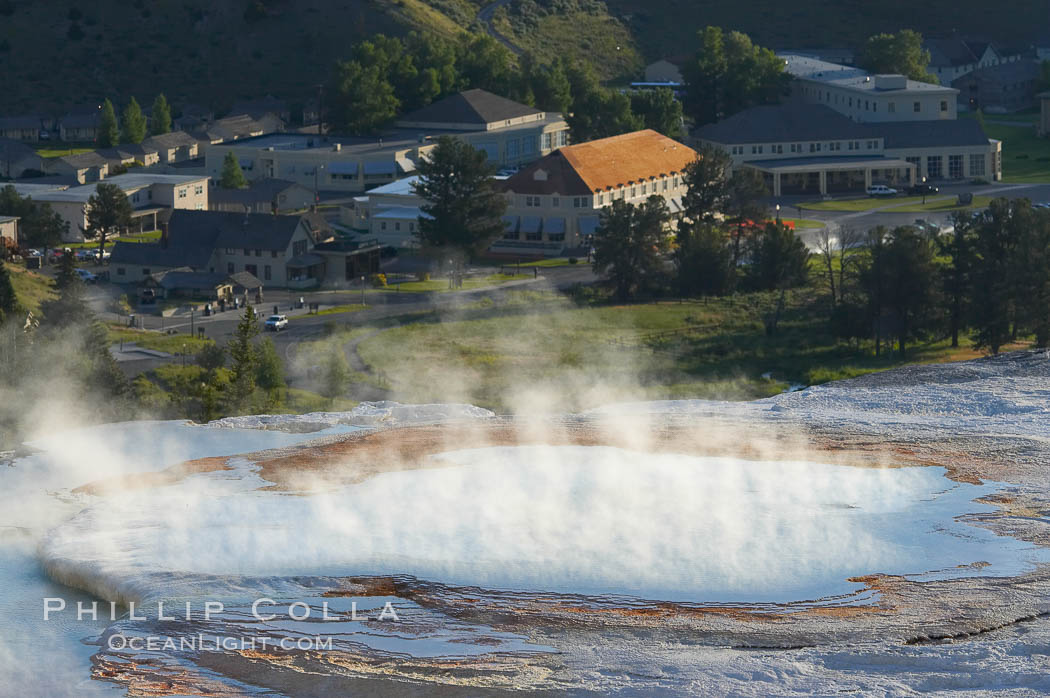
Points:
[(258, 191), (949, 52), (603, 164), (23, 122), (779, 123), (80, 119), (83, 160), (13, 150), (175, 139), (470, 107), (923, 134), (191, 254), (234, 230)]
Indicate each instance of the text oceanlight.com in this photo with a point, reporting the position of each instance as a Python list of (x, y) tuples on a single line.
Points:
[(262, 610), (201, 642)]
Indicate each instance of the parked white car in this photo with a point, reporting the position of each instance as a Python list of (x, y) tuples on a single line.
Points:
[(276, 323), (881, 190), (86, 276)]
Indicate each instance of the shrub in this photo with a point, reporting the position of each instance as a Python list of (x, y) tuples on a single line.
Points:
[(379, 280), (573, 260), (423, 276)]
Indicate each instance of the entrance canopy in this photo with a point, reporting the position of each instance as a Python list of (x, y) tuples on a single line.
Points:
[(818, 175)]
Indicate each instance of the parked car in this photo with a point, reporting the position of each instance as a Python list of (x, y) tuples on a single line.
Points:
[(881, 190), (276, 323), (85, 255), (56, 254), (86, 276), (33, 253), (100, 257), (922, 189)]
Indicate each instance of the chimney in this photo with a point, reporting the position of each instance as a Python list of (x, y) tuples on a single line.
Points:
[(163, 235)]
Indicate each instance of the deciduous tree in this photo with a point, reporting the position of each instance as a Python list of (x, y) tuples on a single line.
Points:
[(901, 53)]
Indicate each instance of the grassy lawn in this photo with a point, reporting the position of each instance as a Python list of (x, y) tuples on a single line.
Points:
[(579, 357), (150, 236), (866, 203), (299, 401), (804, 223), (555, 262), (895, 204), (441, 284), (31, 288), (1026, 157), (56, 151), (942, 205), (157, 341), (334, 310)]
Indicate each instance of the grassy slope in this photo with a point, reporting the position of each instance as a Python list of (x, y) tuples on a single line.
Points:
[(896, 204), (584, 356), (31, 288), (1026, 157), (669, 27)]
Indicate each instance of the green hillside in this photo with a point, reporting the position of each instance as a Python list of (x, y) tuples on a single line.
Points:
[(668, 27), (63, 53)]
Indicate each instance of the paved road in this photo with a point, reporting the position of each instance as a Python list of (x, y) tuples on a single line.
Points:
[(304, 327), (885, 215), (485, 17)]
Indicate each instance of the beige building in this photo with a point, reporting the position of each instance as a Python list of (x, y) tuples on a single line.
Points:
[(511, 134), (865, 97), (292, 252), (812, 149), (389, 213), (174, 147), (263, 196), (82, 167), (9, 231), (555, 203), (81, 127), (148, 194), (20, 128)]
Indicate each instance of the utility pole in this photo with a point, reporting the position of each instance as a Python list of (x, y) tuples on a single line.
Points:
[(320, 110)]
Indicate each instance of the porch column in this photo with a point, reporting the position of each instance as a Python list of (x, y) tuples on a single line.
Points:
[(867, 178), (776, 184), (823, 182), (912, 173)]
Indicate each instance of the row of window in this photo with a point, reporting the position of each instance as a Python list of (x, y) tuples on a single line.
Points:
[(778, 148), (535, 237), (397, 226), (935, 166), (258, 253), (868, 105), (636, 190)]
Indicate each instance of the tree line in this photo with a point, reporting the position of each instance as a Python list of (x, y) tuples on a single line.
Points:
[(384, 77), (133, 126), (989, 277)]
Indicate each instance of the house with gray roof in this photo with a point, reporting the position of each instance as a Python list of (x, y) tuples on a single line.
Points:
[(26, 127), (80, 126), (83, 167), (176, 146), (278, 250), (263, 196), (16, 158)]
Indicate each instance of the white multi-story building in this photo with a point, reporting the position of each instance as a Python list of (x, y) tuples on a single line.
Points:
[(865, 97)]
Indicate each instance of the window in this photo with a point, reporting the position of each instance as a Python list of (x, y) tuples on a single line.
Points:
[(555, 202), (199, 189), (534, 236), (182, 193), (556, 237), (258, 253), (229, 267), (933, 167), (676, 181), (397, 226), (916, 107), (976, 165), (944, 106), (298, 248), (120, 271), (601, 197), (273, 253), (779, 149), (645, 189), (512, 147), (851, 101), (533, 201), (546, 141), (528, 146), (563, 138), (634, 192), (145, 271), (812, 147), (955, 167), (665, 183), (266, 273), (866, 105), (199, 207), (382, 226), (247, 253)]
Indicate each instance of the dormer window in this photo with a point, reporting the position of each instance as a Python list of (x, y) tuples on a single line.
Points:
[(540, 175)]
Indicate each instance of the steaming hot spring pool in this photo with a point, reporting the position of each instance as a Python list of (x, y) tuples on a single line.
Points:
[(589, 520)]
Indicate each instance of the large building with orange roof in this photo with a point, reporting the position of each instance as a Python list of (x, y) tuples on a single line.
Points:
[(554, 203)]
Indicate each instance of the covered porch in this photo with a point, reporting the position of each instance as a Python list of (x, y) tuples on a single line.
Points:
[(822, 176), (305, 271)]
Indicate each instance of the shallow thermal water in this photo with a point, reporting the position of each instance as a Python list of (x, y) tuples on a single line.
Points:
[(35, 495), (590, 520)]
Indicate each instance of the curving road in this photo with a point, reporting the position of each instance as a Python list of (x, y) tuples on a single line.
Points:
[(485, 17)]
